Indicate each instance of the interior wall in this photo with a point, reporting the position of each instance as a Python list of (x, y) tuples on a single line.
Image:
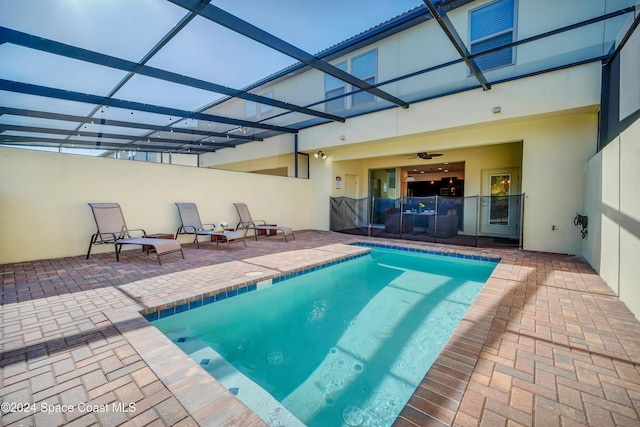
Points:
[(476, 158), (44, 212), (613, 209)]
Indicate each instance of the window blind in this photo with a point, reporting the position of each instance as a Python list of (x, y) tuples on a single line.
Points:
[(492, 26)]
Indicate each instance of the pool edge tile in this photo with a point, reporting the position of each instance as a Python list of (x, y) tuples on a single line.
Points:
[(156, 349)]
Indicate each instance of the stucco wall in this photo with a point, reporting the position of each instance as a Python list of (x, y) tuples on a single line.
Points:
[(425, 45), (555, 156), (43, 199), (613, 208), (283, 161), (553, 163), (554, 115)]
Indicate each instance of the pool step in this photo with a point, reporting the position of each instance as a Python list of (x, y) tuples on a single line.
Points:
[(250, 393)]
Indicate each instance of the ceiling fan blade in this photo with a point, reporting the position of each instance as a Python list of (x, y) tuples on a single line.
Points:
[(425, 155)]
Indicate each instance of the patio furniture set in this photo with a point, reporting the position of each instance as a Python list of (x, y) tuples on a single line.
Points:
[(112, 229)]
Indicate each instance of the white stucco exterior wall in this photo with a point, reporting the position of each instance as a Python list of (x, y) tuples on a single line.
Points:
[(43, 199), (613, 208)]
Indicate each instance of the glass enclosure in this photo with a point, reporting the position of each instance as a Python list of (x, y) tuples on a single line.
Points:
[(132, 77)]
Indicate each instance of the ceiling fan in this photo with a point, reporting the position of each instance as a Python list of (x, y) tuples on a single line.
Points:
[(426, 156)]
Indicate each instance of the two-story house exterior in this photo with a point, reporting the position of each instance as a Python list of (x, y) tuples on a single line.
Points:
[(539, 122), (536, 122)]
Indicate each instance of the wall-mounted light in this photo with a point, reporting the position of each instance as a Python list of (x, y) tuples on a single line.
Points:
[(320, 155)]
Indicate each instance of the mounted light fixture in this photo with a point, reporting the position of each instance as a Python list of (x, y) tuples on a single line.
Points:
[(240, 129), (320, 155)]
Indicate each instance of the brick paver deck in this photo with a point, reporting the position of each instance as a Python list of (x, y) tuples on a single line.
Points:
[(546, 342)]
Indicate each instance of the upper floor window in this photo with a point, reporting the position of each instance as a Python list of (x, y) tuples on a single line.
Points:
[(365, 68), (253, 110), (493, 25), (250, 109), (335, 87), (266, 108)]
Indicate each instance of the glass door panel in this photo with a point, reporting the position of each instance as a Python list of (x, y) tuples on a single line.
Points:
[(499, 200)]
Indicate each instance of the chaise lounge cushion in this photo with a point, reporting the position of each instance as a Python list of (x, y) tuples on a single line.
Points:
[(247, 223), (192, 224), (112, 229), (287, 231), (161, 246)]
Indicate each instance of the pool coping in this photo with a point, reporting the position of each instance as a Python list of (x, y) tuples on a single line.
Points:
[(167, 309), (210, 403), (206, 298)]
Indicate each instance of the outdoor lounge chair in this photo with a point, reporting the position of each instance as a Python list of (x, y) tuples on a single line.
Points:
[(113, 230), (262, 227), (191, 224)]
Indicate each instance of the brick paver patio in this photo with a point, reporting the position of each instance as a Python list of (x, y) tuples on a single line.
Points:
[(546, 342)]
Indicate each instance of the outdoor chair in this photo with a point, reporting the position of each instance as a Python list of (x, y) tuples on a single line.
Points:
[(259, 226), (112, 229), (191, 224)]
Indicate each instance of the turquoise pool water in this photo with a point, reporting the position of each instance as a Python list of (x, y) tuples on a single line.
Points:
[(343, 345)]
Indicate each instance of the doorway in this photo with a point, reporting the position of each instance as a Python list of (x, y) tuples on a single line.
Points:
[(500, 203), (438, 179), (351, 188), (382, 193)]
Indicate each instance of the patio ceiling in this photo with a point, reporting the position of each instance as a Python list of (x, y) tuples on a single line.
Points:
[(162, 75)]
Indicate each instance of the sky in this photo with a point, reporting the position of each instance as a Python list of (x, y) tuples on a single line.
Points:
[(316, 25), (128, 29), (204, 50)]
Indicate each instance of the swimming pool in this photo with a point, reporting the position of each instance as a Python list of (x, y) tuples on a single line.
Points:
[(343, 345)]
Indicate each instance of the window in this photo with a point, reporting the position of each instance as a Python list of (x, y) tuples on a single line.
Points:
[(265, 108), (499, 200), (254, 110), (250, 109), (364, 67), (335, 87), (491, 26)]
